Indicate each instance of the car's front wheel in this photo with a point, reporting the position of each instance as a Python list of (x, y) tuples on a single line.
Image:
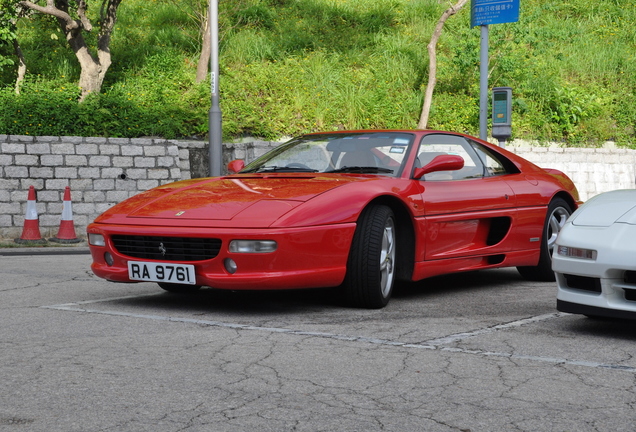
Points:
[(558, 212), (179, 288), (371, 267)]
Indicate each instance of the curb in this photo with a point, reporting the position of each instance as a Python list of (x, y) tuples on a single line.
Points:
[(30, 251)]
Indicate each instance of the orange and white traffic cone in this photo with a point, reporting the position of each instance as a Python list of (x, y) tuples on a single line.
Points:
[(31, 230), (66, 233)]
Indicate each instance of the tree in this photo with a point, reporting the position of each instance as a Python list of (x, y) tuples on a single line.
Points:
[(73, 21), (200, 15), (206, 50), (21, 65), (9, 45), (432, 65), (200, 10)]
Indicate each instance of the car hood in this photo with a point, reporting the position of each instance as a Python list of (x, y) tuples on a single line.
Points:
[(258, 198), (606, 209)]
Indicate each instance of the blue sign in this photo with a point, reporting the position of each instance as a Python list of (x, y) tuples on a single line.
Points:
[(485, 12)]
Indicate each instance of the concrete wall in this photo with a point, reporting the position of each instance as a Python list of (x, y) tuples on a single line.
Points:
[(104, 171)]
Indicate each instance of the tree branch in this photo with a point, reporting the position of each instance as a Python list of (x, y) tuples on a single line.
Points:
[(50, 9), (108, 18), (432, 65), (81, 12)]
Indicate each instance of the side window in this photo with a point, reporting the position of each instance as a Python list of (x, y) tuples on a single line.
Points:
[(494, 164), (439, 144)]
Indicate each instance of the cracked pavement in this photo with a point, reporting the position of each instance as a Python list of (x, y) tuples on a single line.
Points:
[(482, 351)]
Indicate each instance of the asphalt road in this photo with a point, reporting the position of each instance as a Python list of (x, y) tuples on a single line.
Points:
[(482, 351)]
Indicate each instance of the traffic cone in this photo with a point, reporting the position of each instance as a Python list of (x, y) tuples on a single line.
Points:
[(31, 230), (66, 233)]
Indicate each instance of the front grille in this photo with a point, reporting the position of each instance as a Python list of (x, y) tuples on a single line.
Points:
[(630, 277), (583, 283), (630, 294), (167, 248)]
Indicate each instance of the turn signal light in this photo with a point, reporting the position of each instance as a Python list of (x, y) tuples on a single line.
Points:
[(96, 240), (253, 246), (571, 252)]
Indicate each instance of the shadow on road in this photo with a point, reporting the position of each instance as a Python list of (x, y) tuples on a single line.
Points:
[(414, 296)]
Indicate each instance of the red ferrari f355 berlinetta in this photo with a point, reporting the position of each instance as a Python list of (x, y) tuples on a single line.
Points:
[(355, 209)]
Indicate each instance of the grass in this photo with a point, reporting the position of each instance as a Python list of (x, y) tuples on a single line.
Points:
[(294, 66)]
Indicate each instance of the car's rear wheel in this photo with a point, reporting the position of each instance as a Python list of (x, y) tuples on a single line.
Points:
[(558, 212), (371, 267), (179, 288)]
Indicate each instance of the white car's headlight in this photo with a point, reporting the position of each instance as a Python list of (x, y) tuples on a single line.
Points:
[(572, 252), (253, 246)]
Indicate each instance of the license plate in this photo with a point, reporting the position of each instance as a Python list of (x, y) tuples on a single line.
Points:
[(161, 272)]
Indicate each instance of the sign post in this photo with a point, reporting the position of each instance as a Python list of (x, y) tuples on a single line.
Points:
[(483, 82), (483, 13)]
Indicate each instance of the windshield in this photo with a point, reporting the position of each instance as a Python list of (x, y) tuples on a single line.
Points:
[(360, 152)]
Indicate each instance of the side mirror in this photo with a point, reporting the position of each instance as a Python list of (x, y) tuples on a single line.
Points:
[(235, 166), (440, 163)]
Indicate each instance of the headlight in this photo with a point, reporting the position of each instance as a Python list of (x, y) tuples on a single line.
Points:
[(96, 240), (252, 246), (571, 252)]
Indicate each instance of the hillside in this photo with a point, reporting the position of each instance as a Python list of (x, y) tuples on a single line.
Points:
[(293, 66)]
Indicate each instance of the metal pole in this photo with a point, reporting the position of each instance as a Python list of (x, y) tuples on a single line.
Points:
[(483, 84), (215, 132)]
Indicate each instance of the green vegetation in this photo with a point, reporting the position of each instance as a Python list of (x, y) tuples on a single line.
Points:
[(7, 33), (294, 66)]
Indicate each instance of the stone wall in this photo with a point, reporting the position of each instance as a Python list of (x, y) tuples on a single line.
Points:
[(100, 172), (593, 170), (104, 171)]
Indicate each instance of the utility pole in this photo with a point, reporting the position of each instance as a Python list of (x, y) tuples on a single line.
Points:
[(215, 133)]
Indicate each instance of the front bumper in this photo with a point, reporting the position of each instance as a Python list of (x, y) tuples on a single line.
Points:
[(605, 286), (594, 311), (308, 257)]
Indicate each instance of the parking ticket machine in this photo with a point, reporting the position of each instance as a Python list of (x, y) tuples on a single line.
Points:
[(502, 114)]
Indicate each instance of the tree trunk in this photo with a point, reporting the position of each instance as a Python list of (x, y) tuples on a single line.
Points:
[(91, 77), (432, 66), (21, 66), (92, 69), (204, 60)]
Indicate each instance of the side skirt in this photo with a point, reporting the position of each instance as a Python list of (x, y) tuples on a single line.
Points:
[(426, 269)]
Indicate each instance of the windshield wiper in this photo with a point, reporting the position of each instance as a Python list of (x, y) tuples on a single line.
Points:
[(361, 169), (274, 168)]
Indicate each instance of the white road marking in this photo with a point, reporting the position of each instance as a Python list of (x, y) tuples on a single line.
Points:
[(433, 344), (459, 336)]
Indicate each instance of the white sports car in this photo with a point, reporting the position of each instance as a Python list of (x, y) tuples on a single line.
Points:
[(595, 258)]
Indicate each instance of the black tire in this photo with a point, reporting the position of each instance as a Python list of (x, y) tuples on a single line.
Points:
[(558, 212), (179, 288), (371, 271)]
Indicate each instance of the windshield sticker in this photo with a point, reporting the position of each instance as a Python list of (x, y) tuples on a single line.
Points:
[(398, 150), (401, 141)]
